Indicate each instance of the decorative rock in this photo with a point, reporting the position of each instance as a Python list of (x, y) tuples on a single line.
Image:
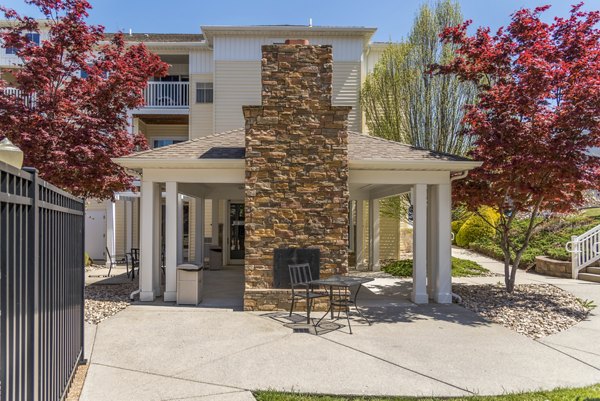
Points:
[(534, 310)]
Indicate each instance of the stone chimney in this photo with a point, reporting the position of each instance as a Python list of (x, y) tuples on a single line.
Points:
[(296, 169)]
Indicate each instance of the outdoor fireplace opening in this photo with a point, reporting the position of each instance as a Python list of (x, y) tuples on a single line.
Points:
[(283, 257)]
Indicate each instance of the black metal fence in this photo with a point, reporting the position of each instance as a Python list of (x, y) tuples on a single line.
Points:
[(41, 286)]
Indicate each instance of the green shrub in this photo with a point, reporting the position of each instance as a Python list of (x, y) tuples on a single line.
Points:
[(549, 240), (476, 227), (456, 225), (460, 268), (87, 261)]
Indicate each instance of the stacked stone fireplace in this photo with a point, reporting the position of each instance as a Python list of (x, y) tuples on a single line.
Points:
[(296, 171)]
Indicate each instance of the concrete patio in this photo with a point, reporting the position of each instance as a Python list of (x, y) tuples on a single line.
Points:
[(158, 352)]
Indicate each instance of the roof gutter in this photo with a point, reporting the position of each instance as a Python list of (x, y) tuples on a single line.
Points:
[(459, 176), (164, 44), (139, 163), (439, 165)]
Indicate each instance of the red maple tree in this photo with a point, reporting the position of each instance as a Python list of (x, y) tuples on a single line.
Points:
[(76, 87), (536, 118)]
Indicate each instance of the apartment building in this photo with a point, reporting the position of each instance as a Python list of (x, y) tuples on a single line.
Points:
[(211, 76)]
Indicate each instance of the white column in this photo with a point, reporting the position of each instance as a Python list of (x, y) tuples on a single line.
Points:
[(432, 232), (128, 225), (443, 273), (131, 124), (171, 241), (360, 234), (179, 229), (419, 202), (157, 259), (199, 245), (111, 243), (215, 222), (351, 239), (147, 235), (374, 234)]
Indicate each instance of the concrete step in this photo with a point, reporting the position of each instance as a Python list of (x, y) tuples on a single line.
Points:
[(593, 269), (589, 277)]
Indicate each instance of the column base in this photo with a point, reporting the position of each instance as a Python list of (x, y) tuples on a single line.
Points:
[(170, 296), (147, 296), (422, 298), (443, 298)]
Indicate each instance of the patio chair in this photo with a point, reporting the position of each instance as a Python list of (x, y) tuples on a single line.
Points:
[(134, 259), (115, 260), (300, 278)]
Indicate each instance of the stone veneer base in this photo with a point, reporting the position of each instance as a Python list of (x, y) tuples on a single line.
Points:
[(278, 300)]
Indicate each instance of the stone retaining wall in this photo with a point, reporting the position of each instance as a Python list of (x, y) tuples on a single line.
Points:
[(552, 267)]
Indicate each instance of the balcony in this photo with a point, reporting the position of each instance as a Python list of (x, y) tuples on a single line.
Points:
[(167, 95), (29, 100)]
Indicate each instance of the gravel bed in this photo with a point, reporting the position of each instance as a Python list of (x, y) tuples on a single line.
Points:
[(105, 300), (93, 267), (534, 310)]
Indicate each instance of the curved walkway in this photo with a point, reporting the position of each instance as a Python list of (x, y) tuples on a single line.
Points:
[(165, 352)]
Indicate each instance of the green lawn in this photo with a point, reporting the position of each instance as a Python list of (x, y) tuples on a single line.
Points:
[(592, 212), (460, 268), (591, 393)]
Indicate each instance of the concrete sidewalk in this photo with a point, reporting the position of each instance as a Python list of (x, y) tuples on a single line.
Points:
[(163, 352), (579, 342)]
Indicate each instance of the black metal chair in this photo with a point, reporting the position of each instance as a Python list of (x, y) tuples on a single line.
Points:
[(115, 260), (300, 278), (133, 258)]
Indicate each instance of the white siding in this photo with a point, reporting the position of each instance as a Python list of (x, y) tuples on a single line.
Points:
[(373, 56), (346, 88), (201, 114), (10, 60), (229, 48), (237, 83), (179, 69), (120, 227), (201, 61), (172, 131)]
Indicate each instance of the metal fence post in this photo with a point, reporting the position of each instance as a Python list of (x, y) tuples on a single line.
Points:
[(83, 361), (33, 256)]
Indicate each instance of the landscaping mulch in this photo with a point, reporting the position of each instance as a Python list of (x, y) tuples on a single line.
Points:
[(77, 384), (534, 310), (105, 300)]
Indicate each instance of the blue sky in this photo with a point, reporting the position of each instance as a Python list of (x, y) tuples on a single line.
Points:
[(393, 18)]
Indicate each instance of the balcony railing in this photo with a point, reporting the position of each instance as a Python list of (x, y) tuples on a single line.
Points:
[(29, 100), (167, 94), (157, 95)]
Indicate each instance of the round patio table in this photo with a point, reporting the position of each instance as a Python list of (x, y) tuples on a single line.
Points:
[(342, 284)]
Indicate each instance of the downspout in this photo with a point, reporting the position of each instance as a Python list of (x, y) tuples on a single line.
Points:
[(459, 176)]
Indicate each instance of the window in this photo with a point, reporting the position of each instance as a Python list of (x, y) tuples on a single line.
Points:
[(204, 92), (32, 37), (159, 143)]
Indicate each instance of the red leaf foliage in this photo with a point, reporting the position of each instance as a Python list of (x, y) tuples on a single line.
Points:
[(538, 113), (75, 125)]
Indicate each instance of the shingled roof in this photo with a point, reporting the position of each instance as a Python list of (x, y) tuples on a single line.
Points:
[(230, 145)]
